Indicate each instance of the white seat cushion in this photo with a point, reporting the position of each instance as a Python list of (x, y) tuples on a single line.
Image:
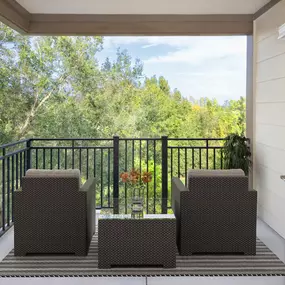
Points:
[(216, 172), (54, 173)]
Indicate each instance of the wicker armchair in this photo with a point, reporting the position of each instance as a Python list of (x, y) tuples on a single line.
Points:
[(216, 214), (53, 213)]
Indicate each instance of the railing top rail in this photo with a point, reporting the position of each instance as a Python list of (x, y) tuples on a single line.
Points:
[(71, 139), (72, 147), (139, 139), (13, 143), (9, 154), (107, 139), (195, 147), (197, 139)]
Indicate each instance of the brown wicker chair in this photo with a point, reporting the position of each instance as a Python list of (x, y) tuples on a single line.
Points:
[(53, 213), (216, 214)]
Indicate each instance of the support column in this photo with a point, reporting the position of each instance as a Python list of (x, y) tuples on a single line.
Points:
[(250, 116)]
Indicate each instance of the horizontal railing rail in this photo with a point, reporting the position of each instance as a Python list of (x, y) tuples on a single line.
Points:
[(105, 159), (13, 143)]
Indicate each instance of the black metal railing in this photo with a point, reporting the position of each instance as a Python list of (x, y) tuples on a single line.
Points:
[(13, 163), (105, 159)]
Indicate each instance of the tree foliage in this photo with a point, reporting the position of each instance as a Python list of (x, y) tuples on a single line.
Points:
[(54, 87)]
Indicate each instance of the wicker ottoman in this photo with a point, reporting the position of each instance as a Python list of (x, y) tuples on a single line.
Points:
[(127, 242)]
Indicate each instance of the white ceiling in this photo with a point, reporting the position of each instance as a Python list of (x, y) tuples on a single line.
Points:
[(143, 6)]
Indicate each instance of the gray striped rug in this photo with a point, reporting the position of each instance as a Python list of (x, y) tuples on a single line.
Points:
[(265, 263)]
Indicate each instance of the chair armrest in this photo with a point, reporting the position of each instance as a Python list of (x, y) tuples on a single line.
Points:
[(87, 186), (177, 185), (252, 194), (177, 188), (19, 206), (89, 190), (18, 193)]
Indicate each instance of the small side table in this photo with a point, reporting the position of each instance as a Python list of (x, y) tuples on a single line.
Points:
[(126, 241)]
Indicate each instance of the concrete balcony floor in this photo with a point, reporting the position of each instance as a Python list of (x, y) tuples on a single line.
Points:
[(264, 232)]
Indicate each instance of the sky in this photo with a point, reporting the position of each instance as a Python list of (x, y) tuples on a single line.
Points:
[(213, 67)]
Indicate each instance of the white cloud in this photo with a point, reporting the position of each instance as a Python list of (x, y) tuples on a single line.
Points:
[(175, 41), (115, 41), (192, 49), (202, 49), (149, 46), (199, 66)]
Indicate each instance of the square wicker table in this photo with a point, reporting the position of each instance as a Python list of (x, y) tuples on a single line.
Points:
[(124, 241)]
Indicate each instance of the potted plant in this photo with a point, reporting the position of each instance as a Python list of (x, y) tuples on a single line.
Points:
[(237, 153)]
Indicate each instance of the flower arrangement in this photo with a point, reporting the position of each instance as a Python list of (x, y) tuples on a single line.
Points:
[(136, 180), (134, 177)]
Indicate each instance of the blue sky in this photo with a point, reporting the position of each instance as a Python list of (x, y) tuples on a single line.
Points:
[(213, 67)]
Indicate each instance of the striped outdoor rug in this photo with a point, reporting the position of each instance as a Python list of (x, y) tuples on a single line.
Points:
[(265, 263)]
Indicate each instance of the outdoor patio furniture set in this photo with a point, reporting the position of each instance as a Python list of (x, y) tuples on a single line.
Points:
[(215, 214)]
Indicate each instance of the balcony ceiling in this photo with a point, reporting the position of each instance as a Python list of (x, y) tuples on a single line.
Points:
[(191, 7), (133, 17)]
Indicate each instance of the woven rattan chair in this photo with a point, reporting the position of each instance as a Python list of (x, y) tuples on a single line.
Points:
[(216, 213), (53, 213)]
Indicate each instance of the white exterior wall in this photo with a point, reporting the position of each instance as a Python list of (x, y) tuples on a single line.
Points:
[(269, 114)]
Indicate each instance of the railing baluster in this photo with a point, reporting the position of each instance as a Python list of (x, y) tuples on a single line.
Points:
[(140, 156), (133, 154), (50, 159), (221, 158), (200, 158), (25, 162), (116, 166), (185, 168), (179, 162), (171, 162), (21, 168), (154, 176), (87, 163), (13, 185), (58, 158), (8, 191), (44, 158), (109, 177), (126, 169), (72, 148), (37, 159), (94, 172), (3, 189), (164, 164), (65, 158), (17, 171), (80, 160), (94, 160), (28, 155), (147, 187), (214, 158), (207, 154), (101, 166), (193, 159)]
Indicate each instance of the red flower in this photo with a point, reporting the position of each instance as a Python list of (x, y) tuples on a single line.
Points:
[(134, 176), (124, 176), (146, 177)]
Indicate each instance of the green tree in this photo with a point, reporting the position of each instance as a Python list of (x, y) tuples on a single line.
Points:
[(54, 87)]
